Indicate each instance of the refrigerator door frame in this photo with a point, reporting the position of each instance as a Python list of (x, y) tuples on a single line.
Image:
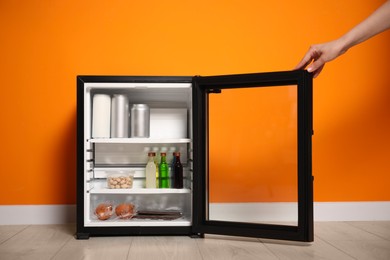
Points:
[(202, 86)]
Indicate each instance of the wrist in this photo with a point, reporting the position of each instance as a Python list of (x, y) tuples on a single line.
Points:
[(344, 43)]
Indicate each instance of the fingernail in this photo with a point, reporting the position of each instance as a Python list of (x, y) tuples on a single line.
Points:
[(310, 69)]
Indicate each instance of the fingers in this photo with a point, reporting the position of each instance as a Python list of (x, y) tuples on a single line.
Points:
[(313, 61), (311, 54), (307, 59), (316, 65), (317, 72)]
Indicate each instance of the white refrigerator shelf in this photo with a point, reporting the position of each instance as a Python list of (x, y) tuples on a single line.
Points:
[(138, 222), (139, 140), (138, 191)]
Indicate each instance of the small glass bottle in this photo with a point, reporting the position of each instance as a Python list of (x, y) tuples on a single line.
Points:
[(163, 172), (172, 172), (178, 172), (156, 162), (157, 180), (150, 172)]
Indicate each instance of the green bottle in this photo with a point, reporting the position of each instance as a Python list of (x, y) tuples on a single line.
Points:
[(163, 171)]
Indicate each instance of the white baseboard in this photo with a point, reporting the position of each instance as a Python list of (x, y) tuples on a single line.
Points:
[(288, 211), (37, 214), (274, 212), (352, 211)]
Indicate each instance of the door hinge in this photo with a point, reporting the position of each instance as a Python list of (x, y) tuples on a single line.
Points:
[(214, 90)]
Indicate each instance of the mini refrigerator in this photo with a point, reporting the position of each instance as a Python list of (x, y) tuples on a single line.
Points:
[(245, 144)]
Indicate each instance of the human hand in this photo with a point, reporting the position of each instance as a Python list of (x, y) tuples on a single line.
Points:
[(319, 54)]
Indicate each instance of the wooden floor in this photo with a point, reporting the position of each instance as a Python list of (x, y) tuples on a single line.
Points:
[(333, 240)]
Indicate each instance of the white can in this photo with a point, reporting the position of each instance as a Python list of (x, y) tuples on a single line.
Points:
[(101, 116)]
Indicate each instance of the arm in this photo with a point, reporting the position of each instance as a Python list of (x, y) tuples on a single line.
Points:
[(376, 23)]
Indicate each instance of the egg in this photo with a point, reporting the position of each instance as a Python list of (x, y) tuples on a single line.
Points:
[(124, 210)]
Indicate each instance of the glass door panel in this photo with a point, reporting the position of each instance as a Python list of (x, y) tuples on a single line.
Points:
[(253, 159)]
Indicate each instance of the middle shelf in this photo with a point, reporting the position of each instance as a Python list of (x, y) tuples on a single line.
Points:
[(140, 140), (138, 191)]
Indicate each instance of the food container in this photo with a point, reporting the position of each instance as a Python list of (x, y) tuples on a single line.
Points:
[(120, 180), (168, 123)]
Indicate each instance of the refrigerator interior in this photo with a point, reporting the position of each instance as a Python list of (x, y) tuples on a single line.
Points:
[(170, 131)]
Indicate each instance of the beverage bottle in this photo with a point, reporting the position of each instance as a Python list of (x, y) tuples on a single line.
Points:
[(157, 179), (172, 166), (163, 171), (156, 160), (150, 171), (178, 172)]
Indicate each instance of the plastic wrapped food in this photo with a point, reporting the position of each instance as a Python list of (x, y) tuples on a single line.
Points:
[(104, 211), (125, 210)]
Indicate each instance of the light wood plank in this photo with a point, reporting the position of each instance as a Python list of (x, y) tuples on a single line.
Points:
[(7, 232), (333, 240), (379, 228), (359, 240), (331, 231), (96, 248), (224, 247), (365, 249), (36, 242), (318, 249), (164, 247)]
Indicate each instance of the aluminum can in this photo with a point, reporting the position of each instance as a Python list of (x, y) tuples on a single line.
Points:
[(140, 120), (120, 116)]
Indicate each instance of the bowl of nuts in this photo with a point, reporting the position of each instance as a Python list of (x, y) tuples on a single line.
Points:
[(120, 180)]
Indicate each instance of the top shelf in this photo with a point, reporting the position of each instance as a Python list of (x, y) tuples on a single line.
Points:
[(139, 140)]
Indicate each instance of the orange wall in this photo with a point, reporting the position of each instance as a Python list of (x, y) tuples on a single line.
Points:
[(45, 44), (253, 145)]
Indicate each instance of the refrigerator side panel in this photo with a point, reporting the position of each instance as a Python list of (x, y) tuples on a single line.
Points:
[(80, 233)]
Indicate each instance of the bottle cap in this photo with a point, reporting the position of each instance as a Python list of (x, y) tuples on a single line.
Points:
[(163, 154), (151, 154)]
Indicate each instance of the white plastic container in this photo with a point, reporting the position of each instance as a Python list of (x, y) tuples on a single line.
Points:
[(168, 123), (120, 180)]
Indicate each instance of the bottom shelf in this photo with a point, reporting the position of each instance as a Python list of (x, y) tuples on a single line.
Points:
[(180, 222)]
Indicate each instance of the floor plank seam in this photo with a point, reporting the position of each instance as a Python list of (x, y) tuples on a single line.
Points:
[(128, 250), (197, 246), (368, 231), (14, 234), (63, 246), (337, 248)]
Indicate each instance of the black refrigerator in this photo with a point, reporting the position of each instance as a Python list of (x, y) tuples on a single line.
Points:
[(245, 143)]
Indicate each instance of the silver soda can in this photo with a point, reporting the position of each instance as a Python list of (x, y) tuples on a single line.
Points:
[(120, 116), (140, 120)]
